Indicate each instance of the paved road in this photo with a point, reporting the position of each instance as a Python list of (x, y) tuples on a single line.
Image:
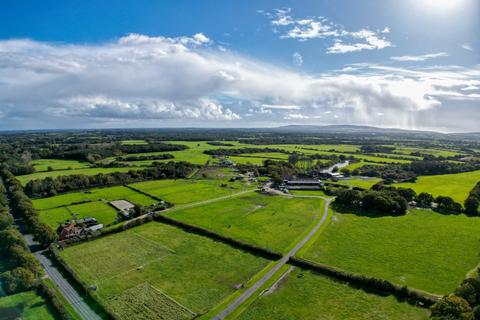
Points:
[(248, 293), (82, 308)]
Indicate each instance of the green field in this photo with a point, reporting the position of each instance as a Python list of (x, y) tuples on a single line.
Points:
[(26, 305), (272, 222), (308, 296), (457, 186), (56, 164), (424, 249), (365, 183), (192, 270), (99, 210), (53, 174), (360, 164), (184, 191), (108, 194), (318, 193), (133, 142)]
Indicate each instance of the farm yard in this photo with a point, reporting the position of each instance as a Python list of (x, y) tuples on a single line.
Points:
[(456, 185), (309, 296), (162, 261), (408, 250), (271, 222)]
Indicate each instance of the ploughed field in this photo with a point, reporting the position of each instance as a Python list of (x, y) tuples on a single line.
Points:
[(309, 296), (424, 250), (156, 271), (271, 222)]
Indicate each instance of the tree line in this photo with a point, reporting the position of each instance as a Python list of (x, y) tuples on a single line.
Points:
[(164, 156), (472, 203), (53, 186), (14, 251), (410, 171)]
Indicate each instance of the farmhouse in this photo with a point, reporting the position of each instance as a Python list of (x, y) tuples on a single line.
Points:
[(123, 206), (304, 184)]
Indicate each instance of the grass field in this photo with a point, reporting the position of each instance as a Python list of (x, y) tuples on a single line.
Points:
[(86, 171), (424, 249), (56, 164), (360, 164), (108, 194), (272, 222), (99, 210), (194, 271), (308, 296), (133, 142), (457, 186), (26, 305), (184, 191), (319, 193), (365, 183)]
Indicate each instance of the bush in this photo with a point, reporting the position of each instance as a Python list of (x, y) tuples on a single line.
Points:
[(17, 280), (451, 308)]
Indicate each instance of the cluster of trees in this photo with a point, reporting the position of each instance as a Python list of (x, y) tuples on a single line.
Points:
[(376, 202), (409, 171), (24, 209), (463, 304), (146, 157), (14, 250), (472, 203), (95, 152), (52, 186), (376, 149), (221, 144)]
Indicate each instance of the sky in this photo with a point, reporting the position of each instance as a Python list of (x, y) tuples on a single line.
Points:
[(411, 64)]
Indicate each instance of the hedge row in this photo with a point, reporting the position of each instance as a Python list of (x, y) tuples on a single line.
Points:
[(51, 297), (61, 263), (367, 283), (253, 249)]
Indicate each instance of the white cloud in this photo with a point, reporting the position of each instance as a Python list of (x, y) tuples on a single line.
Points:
[(156, 81), (423, 57), (467, 46), (321, 28), (297, 59)]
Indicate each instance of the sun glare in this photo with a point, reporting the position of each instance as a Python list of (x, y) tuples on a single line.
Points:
[(442, 4)]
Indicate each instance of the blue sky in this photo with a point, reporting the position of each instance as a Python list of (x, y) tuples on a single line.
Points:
[(410, 64)]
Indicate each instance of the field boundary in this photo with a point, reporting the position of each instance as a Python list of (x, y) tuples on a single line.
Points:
[(369, 284)]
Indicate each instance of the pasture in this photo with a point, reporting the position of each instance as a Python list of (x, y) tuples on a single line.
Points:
[(57, 164), (185, 191), (457, 185), (25, 305), (360, 182), (309, 296), (424, 249), (132, 142), (271, 222), (99, 210), (189, 272), (107, 194), (24, 179)]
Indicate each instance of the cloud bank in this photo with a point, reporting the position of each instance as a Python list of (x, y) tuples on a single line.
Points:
[(141, 81)]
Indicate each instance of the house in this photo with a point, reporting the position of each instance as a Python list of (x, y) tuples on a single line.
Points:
[(123, 206)]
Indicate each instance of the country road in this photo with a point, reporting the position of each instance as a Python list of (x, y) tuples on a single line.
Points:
[(70, 294), (250, 291)]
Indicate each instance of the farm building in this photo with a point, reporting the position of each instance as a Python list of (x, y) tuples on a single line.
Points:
[(310, 184), (123, 206)]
